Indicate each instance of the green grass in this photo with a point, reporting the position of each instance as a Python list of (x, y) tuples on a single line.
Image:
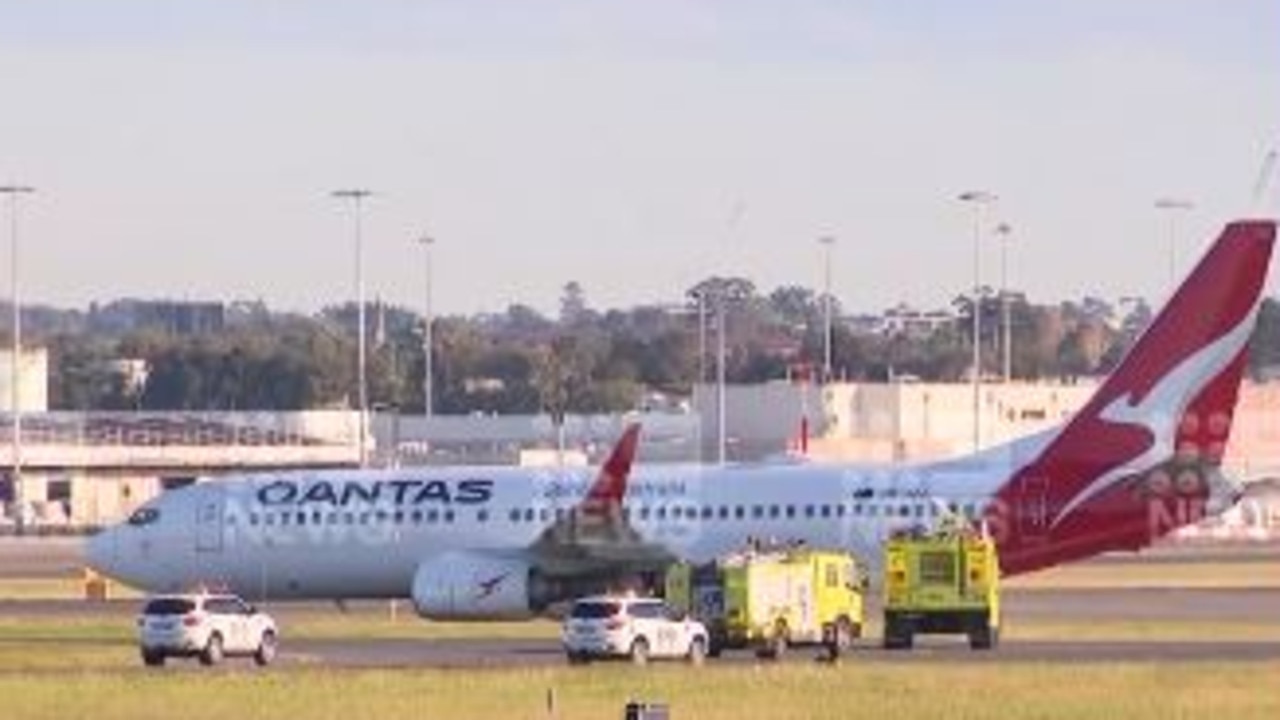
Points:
[(1130, 690), (1140, 574)]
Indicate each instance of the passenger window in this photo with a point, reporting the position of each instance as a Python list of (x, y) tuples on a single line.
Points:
[(514, 515), (708, 512), (791, 511), (773, 511), (724, 512), (809, 511), (448, 516), (739, 512), (482, 515), (757, 511), (433, 516), (528, 515), (826, 511), (833, 576)]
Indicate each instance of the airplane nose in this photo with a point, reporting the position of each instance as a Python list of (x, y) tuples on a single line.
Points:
[(100, 551)]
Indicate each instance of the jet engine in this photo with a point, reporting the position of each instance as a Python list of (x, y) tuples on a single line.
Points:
[(472, 586)]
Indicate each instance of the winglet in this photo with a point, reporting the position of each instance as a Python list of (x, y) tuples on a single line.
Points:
[(611, 484)]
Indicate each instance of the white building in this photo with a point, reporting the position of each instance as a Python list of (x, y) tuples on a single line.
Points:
[(880, 421), (33, 382)]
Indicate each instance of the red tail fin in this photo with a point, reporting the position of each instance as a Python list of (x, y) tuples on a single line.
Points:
[(611, 484), (1166, 408)]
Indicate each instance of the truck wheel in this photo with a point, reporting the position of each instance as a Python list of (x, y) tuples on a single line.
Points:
[(577, 658), (153, 658), (897, 635), (846, 631), (983, 638), (697, 651), (212, 654), (778, 642), (266, 651), (640, 651)]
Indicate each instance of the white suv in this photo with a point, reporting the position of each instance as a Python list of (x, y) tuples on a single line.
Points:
[(206, 626), (631, 627)]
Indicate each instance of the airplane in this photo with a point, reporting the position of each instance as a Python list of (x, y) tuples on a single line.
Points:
[(1142, 458)]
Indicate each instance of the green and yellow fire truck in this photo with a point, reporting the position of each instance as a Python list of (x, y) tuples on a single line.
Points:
[(947, 581), (771, 600)]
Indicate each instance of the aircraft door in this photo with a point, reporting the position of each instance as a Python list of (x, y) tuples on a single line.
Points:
[(209, 518)]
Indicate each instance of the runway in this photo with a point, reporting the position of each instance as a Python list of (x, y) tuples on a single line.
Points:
[(1024, 610), (1037, 628), (480, 653), (1041, 623)]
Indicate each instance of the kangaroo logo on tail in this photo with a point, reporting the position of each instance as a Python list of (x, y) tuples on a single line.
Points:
[(1171, 398)]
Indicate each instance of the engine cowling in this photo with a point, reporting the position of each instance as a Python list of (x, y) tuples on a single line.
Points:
[(471, 586)]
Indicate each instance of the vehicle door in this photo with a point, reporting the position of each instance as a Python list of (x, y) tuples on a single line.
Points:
[(669, 624), (230, 623), (645, 622), (250, 622)]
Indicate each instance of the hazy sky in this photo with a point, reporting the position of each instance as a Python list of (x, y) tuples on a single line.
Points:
[(188, 148)]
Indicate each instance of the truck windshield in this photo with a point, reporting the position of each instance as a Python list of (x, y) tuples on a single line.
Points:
[(594, 610)]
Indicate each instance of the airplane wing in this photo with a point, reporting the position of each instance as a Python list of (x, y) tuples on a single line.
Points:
[(597, 535)]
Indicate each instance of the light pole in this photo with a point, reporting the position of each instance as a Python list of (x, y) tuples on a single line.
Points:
[(428, 344), (356, 197), (1003, 231), (721, 414), (1171, 207), (979, 199), (699, 295), (719, 293), (827, 243), (15, 192)]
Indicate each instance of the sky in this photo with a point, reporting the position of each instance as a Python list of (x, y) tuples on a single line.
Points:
[(188, 149)]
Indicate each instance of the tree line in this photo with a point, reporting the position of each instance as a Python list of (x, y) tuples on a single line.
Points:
[(580, 360)]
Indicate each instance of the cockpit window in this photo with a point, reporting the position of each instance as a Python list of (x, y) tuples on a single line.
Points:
[(144, 516)]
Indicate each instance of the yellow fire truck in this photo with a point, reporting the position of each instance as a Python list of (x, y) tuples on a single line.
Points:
[(770, 600), (946, 581)]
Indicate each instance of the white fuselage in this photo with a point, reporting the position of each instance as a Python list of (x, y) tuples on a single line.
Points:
[(308, 534)]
